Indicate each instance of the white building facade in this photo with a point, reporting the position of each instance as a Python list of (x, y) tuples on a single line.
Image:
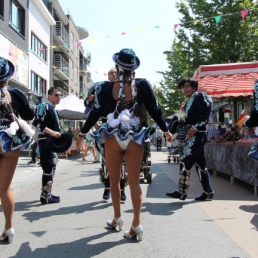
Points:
[(40, 22)]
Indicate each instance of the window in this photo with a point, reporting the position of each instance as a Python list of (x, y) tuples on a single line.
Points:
[(17, 17), (72, 42), (76, 49), (38, 84), (38, 47), (2, 8), (72, 70), (76, 75)]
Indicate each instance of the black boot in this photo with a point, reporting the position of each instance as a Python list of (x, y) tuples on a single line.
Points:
[(184, 182), (46, 197), (177, 195), (208, 193), (106, 194)]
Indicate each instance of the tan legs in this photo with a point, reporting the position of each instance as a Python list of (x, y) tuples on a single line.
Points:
[(114, 158), (133, 157), (8, 162)]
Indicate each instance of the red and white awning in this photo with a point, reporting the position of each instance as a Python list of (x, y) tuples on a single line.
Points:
[(227, 80)]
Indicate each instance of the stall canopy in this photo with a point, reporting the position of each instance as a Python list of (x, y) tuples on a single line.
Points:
[(227, 80), (71, 107)]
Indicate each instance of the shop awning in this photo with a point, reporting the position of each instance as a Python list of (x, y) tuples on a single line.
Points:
[(227, 80)]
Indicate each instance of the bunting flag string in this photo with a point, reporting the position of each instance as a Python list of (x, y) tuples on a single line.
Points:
[(217, 18)]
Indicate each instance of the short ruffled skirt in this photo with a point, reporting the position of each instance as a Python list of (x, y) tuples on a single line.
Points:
[(17, 141), (140, 135)]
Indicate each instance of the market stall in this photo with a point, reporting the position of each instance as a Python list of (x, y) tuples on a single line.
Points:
[(230, 80)]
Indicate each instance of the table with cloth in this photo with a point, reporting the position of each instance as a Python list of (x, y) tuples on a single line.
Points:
[(232, 160)]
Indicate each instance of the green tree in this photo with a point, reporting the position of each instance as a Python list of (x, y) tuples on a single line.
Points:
[(202, 40), (170, 97), (228, 40)]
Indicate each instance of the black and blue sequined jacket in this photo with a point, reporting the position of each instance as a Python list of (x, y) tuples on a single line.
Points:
[(105, 103), (197, 110), (46, 116)]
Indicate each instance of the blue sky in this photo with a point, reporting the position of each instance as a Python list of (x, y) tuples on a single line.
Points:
[(107, 19)]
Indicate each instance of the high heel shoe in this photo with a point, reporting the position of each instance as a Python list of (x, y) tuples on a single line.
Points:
[(119, 222), (138, 232), (8, 238)]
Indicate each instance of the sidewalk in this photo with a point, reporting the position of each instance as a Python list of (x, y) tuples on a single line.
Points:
[(75, 227)]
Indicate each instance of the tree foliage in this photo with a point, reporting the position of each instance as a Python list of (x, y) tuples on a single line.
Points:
[(200, 40)]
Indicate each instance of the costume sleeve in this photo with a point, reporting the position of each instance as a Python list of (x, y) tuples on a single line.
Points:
[(20, 104), (150, 103), (99, 107), (41, 117), (90, 92), (203, 109)]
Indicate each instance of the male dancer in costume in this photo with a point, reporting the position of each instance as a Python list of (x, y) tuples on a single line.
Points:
[(197, 111), (47, 122), (89, 99)]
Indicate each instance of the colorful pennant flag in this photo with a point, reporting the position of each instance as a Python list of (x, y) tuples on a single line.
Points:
[(217, 19), (244, 13), (175, 26), (123, 33), (195, 22)]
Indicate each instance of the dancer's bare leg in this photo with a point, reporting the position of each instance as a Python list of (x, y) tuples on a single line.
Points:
[(114, 158), (133, 158), (8, 162)]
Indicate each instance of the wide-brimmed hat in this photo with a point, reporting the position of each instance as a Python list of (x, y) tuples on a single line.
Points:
[(127, 59), (252, 121), (173, 124), (61, 144), (6, 69)]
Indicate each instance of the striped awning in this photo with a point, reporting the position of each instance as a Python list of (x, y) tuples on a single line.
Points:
[(230, 80)]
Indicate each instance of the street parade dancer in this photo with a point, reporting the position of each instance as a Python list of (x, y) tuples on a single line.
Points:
[(15, 135), (101, 146), (197, 111), (125, 132), (48, 124)]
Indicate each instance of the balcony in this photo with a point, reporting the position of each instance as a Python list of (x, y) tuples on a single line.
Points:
[(88, 77), (61, 67), (82, 86), (61, 36), (63, 92), (83, 67)]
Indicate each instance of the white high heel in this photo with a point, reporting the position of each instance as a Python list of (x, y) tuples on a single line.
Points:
[(9, 234), (138, 231), (119, 222)]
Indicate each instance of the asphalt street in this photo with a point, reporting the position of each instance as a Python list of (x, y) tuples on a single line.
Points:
[(226, 227)]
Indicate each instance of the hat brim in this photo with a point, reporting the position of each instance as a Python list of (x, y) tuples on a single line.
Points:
[(10, 72), (136, 65), (172, 127), (61, 144)]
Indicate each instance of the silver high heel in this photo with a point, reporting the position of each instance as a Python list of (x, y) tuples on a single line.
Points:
[(119, 222), (9, 234), (138, 231)]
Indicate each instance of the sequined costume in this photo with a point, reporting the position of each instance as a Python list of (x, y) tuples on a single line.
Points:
[(46, 116), (15, 133), (125, 124), (197, 111)]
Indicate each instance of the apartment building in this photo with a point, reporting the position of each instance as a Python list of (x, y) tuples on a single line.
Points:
[(14, 40), (70, 62), (39, 29)]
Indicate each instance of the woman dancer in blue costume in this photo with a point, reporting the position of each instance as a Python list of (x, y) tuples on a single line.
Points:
[(125, 131), (15, 134)]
